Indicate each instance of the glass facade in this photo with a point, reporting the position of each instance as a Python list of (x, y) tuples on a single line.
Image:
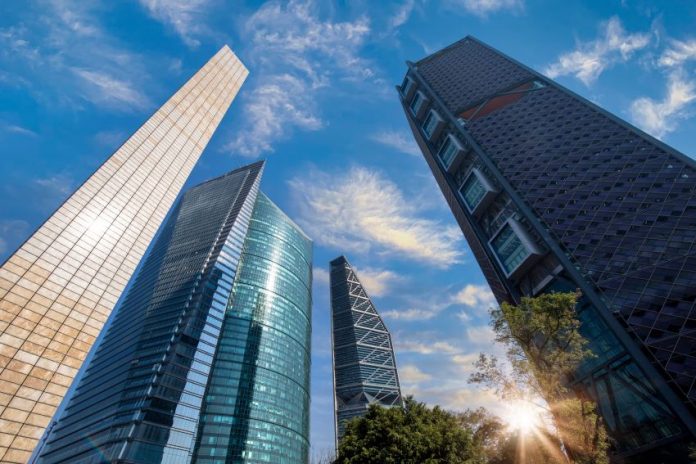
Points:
[(363, 355), (58, 289), (207, 359), (256, 406), (601, 206), (140, 397)]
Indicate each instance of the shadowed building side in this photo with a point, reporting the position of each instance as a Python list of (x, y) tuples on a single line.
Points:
[(363, 356), (555, 194)]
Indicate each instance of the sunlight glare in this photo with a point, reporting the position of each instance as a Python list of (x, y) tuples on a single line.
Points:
[(522, 416)]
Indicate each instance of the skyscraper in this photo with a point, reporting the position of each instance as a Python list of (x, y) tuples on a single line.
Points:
[(58, 289), (363, 357), (207, 359), (554, 194)]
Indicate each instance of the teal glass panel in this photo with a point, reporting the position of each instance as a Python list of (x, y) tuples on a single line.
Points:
[(256, 406), (472, 191), (448, 152), (509, 248)]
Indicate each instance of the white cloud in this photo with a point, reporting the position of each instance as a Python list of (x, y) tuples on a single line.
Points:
[(104, 89), (273, 110), (412, 314), (11, 233), (362, 211), (184, 16), (475, 295), (485, 7), (63, 56), (15, 129), (321, 275), (678, 53), (482, 335), (410, 373), (110, 138), (402, 14), (58, 186), (660, 117), (299, 53), (397, 140), (424, 347), (377, 282), (590, 59)]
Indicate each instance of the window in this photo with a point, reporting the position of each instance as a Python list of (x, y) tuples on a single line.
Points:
[(431, 124), (472, 191), (407, 86), (417, 103), (448, 151), (509, 248)]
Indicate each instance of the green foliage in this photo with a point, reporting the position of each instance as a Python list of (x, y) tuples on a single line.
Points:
[(415, 434), (544, 347)]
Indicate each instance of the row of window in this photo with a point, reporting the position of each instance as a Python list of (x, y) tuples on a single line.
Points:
[(511, 244)]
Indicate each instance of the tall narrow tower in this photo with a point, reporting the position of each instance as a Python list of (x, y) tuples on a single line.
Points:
[(207, 359), (555, 194), (59, 288), (363, 355)]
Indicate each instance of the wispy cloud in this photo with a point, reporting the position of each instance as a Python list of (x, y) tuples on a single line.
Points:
[(424, 347), (661, 117), (12, 232), (362, 211), (402, 14), (477, 299), (398, 140), (678, 53), (377, 282), (58, 186), (15, 129), (274, 109), (410, 373), (184, 16), (412, 314), (485, 7), (104, 89), (590, 59), (63, 56), (300, 53)]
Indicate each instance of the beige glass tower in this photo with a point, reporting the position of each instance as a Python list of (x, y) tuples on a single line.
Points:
[(58, 289)]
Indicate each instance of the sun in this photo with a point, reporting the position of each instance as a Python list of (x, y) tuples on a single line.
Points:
[(523, 417)]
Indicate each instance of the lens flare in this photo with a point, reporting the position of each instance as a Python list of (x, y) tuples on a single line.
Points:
[(523, 417)]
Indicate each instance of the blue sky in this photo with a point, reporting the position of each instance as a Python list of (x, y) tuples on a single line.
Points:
[(76, 78)]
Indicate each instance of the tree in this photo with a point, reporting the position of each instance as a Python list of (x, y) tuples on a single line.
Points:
[(414, 434), (544, 347)]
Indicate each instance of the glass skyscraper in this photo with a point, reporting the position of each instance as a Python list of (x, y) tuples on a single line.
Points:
[(59, 288), (207, 359), (363, 356), (555, 194)]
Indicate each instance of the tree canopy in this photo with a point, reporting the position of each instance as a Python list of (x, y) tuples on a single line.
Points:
[(414, 434)]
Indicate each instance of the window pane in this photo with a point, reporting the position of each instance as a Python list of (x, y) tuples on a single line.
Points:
[(429, 124), (447, 152), (509, 248), (472, 191), (416, 103)]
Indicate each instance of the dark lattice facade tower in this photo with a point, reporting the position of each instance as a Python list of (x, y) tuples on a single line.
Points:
[(555, 194), (363, 355)]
